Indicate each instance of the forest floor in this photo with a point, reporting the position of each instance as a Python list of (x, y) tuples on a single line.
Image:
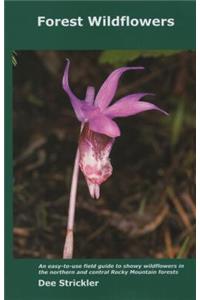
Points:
[(147, 207)]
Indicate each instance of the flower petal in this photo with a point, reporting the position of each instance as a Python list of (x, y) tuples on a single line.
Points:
[(109, 87), (104, 125), (124, 105), (89, 111), (76, 103), (129, 106), (90, 93), (94, 189)]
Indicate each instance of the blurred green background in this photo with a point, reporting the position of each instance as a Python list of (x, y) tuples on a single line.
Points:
[(147, 207)]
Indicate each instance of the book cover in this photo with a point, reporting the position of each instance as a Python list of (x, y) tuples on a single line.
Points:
[(100, 150)]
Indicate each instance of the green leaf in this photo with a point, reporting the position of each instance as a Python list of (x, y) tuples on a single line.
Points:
[(120, 57), (177, 123), (184, 248), (14, 60)]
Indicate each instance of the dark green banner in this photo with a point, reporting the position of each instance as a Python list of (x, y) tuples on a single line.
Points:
[(114, 279), (23, 31)]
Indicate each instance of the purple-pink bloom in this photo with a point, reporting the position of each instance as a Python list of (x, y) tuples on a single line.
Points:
[(99, 129)]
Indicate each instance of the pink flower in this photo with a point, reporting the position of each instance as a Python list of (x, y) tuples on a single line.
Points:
[(99, 130)]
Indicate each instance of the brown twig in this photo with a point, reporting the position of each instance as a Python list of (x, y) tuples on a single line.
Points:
[(22, 232), (181, 211), (168, 243), (190, 203), (133, 225)]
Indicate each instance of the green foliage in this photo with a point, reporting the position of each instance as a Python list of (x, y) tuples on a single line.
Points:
[(177, 123), (121, 57), (35, 100), (179, 120), (184, 248), (14, 60)]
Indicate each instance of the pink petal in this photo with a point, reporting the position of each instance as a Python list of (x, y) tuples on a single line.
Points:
[(76, 103), (90, 93), (129, 106), (104, 125), (124, 105), (109, 87), (89, 111)]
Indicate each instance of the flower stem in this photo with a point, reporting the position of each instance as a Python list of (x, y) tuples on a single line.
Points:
[(69, 240)]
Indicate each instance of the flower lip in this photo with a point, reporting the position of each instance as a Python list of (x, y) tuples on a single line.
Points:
[(94, 189), (94, 150)]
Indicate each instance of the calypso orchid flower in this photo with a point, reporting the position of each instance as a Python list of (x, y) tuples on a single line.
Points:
[(99, 130)]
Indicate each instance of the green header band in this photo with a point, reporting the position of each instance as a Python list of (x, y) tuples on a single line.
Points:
[(23, 32)]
